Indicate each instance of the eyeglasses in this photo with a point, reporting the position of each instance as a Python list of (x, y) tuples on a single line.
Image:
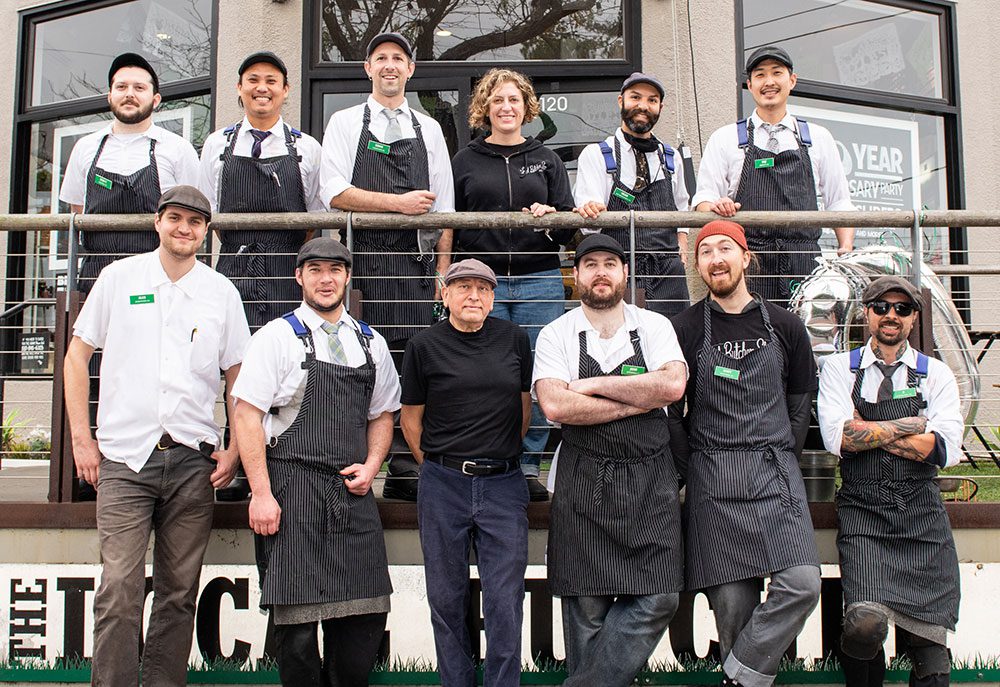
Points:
[(881, 308)]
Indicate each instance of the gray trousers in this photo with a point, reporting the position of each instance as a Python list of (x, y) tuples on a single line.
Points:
[(171, 495), (753, 636)]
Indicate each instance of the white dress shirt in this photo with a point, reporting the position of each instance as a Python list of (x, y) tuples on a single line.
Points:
[(176, 160), (340, 147), (272, 376), (164, 343), (722, 163), (272, 146), (938, 388), (593, 183)]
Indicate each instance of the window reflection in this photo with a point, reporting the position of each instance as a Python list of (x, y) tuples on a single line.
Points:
[(441, 106)]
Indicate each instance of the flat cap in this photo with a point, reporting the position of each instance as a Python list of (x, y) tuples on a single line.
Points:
[(267, 57), (768, 52), (470, 268), (598, 242), (187, 197), (884, 285), (639, 77), (131, 59), (323, 248), (389, 37)]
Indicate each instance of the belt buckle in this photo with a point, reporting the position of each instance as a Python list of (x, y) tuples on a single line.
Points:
[(161, 447), (466, 464)]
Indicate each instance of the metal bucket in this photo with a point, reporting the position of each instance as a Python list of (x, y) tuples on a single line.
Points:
[(819, 472)]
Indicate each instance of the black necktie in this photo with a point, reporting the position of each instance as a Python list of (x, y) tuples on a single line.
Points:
[(885, 388), (258, 138), (641, 170)]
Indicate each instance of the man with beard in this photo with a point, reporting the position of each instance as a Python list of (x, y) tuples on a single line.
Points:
[(893, 416), (167, 324), (314, 417), (774, 161), (632, 170), (748, 405), (605, 371)]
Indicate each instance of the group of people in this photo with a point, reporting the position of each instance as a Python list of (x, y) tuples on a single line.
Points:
[(715, 401)]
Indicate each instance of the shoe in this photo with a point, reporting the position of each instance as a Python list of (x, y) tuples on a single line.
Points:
[(536, 490), (403, 487)]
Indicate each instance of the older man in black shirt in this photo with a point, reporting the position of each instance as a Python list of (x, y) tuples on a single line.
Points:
[(466, 408)]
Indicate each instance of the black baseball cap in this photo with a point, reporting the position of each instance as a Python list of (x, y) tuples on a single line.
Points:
[(131, 59), (639, 77), (323, 248), (187, 197), (768, 52), (598, 242), (884, 285), (267, 57), (390, 37)]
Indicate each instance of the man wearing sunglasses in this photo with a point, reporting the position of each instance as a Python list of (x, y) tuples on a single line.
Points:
[(893, 416)]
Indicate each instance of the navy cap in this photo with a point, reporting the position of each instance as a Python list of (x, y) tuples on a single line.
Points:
[(598, 242), (768, 52), (266, 57), (390, 37), (323, 248), (131, 59), (639, 77), (187, 197)]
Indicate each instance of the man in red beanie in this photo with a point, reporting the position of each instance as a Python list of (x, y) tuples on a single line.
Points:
[(748, 398)]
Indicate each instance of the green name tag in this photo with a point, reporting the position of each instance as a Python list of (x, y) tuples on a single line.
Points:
[(904, 393), (633, 369), (102, 181), (624, 195), (726, 372), (378, 147), (140, 299), (763, 163)]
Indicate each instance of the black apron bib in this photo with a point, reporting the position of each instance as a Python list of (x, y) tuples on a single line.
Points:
[(746, 510), (615, 521), (395, 280), (110, 193), (261, 263), (658, 266), (330, 545), (894, 539), (786, 256)]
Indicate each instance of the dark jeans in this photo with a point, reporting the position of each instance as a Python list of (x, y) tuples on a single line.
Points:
[(350, 647), (171, 495), (457, 511)]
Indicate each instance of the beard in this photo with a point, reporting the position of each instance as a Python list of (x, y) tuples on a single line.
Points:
[(628, 116), (724, 289), (320, 307), (891, 339), (139, 115), (595, 302)]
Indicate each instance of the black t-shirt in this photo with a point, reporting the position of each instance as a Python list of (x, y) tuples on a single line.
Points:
[(470, 385)]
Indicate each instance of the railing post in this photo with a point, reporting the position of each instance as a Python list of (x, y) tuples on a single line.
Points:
[(631, 256), (917, 248)]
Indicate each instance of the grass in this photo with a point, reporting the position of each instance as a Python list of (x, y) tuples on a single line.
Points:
[(987, 477)]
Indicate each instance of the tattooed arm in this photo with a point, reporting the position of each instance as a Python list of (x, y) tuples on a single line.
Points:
[(918, 447), (904, 437)]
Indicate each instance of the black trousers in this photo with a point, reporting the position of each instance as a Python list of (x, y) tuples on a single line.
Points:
[(931, 664), (350, 648)]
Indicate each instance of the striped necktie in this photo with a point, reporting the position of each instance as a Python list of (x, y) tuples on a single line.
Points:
[(337, 354), (258, 138), (885, 388), (772, 135), (393, 132)]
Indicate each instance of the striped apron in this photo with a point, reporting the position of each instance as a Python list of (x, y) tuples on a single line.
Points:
[(394, 278), (658, 266), (261, 263), (615, 520), (745, 510), (789, 255), (894, 539), (330, 545), (109, 193)]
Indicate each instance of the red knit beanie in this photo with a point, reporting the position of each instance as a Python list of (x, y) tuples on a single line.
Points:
[(725, 228)]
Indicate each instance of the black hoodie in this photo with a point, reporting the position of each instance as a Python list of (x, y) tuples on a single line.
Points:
[(492, 178)]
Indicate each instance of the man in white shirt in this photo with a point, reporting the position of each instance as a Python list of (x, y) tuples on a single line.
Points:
[(167, 324), (605, 371), (382, 156), (314, 418), (633, 170), (893, 416), (774, 161)]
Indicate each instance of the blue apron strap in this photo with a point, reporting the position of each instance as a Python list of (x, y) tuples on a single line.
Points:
[(922, 364), (296, 324), (609, 157), (741, 133), (856, 359), (804, 134), (667, 157), (365, 329)]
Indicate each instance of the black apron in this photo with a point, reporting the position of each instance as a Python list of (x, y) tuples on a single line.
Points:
[(110, 193), (261, 263), (330, 545), (615, 522), (395, 280), (658, 267), (894, 539), (789, 255), (746, 510)]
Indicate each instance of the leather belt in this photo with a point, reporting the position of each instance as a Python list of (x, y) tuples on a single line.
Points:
[(167, 442), (476, 467)]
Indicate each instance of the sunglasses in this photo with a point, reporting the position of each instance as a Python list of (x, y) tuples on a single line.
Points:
[(881, 308)]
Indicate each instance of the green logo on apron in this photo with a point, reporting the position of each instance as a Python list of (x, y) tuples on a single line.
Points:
[(763, 163), (378, 147), (101, 181), (726, 372), (140, 299), (904, 393), (624, 195), (633, 369)]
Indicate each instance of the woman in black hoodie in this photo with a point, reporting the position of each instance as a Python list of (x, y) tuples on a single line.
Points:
[(504, 171)]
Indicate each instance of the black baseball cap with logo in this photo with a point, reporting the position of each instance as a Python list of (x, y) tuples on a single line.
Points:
[(131, 59)]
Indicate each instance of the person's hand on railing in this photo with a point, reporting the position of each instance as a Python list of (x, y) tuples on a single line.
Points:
[(87, 457), (538, 210), (415, 202), (265, 513), (226, 462), (591, 209), (724, 207)]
